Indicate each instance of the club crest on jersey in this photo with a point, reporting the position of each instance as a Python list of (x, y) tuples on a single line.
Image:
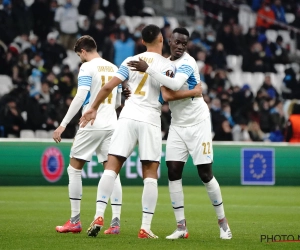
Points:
[(170, 73), (52, 164)]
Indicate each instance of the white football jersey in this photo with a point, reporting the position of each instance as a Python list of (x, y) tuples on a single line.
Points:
[(145, 101), (92, 76), (189, 111)]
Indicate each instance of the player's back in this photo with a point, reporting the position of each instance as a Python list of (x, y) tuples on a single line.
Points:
[(189, 111), (100, 71), (145, 101)]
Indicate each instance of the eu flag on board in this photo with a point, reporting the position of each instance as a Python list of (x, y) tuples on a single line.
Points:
[(258, 166)]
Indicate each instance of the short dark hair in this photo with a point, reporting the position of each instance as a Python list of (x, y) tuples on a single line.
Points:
[(182, 31), (150, 33), (85, 42)]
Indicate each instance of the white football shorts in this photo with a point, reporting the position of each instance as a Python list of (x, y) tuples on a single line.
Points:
[(194, 140), (86, 142), (129, 133)]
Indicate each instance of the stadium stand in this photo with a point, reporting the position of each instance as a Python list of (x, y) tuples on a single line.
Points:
[(27, 133), (5, 85), (41, 134), (33, 57)]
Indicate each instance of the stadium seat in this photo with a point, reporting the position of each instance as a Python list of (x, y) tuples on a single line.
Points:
[(28, 3), (258, 79), (63, 2), (6, 85), (285, 35), (41, 134), (173, 22), (290, 17), (234, 62), (252, 19), (11, 136), (235, 78), (271, 35), (159, 21), (190, 29), (286, 106), (246, 17), (81, 20), (27, 133), (148, 20), (276, 80), (149, 11), (200, 65), (246, 78), (243, 17), (279, 68), (133, 22), (72, 60), (131, 26), (50, 134)]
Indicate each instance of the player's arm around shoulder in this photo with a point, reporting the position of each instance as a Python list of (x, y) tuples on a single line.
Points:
[(170, 95)]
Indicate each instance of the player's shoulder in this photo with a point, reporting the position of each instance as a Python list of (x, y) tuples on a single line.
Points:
[(188, 59), (109, 64), (128, 59), (84, 67)]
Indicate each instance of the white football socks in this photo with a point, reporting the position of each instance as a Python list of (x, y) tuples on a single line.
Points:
[(149, 200), (75, 190), (214, 193), (105, 189), (116, 199), (177, 199)]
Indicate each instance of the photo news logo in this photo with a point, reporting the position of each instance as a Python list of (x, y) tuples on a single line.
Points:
[(279, 238)]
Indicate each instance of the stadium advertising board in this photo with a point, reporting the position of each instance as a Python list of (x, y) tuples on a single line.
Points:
[(45, 163)]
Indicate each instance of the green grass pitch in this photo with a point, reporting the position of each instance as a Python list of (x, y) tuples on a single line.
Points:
[(28, 216)]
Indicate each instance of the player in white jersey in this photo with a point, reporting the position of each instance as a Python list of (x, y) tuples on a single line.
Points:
[(139, 122), (190, 133), (93, 74)]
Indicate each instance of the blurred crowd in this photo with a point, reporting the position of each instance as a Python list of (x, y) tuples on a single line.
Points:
[(35, 40)]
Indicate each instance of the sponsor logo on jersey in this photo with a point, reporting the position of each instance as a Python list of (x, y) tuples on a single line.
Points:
[(170, 73), (52, 164)]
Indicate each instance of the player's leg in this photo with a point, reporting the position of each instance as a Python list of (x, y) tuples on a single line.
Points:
[(215, 196), (116, 197), (75, 192), (82, 149), (176, 156), (202, 154), (118, 153), (104, 191), (116, 203), (150, 155), (149, 198)]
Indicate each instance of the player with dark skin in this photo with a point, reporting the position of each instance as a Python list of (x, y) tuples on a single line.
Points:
[(178, 45), (190, 132)]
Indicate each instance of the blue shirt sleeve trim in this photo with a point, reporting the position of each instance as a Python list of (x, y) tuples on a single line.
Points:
[(123, 71), (185, 69), (84, 80)]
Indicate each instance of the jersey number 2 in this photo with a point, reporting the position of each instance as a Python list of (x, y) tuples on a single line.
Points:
[(138, 90), (109, 98)]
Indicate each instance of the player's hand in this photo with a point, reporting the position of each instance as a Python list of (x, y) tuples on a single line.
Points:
[(140, 65), (88, 116), (198, 90), (126, 92), (57, 134)]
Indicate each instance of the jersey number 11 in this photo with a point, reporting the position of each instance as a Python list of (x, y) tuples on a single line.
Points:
[(104, 81)]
